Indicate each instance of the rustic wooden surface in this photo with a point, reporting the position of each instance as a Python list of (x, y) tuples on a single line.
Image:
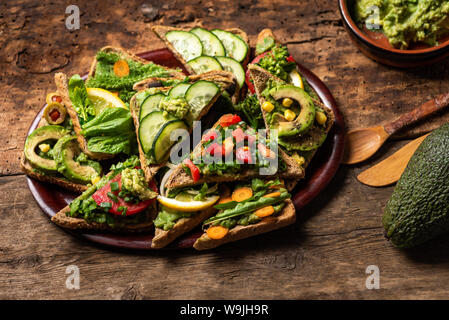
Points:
[(323, 256)]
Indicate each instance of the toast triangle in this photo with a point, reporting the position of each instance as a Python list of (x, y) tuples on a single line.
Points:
[(285, 218), (224, 80)]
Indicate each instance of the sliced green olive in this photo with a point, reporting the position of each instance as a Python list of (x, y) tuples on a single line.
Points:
[(53, 97), (55, 113)]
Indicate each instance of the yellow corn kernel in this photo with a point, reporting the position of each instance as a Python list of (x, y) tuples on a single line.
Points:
[(289, 115), (95, 180), (321, 118), (267, 106), (44, 147), (299, 159), (287, 102)]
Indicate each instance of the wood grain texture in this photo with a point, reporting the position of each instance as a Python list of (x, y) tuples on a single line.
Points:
[(323, 255)]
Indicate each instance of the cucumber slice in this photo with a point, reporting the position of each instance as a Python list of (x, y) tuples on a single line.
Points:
[(150, 104), (203, 64), (233, 66), (179, 90), (186, 43), (162, 142), (212, 46), (198, 96), (149, 128), (235, 47)]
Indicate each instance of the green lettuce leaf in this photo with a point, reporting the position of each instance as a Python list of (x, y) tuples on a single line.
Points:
[(78, 95), (112, 132)]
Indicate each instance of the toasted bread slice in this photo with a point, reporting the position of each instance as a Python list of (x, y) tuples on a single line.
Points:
[(223, 78), (59, 180), (179, 178), (184, 225), (265, 33), (260, 77), (285, 218), (61, 219), (160, 31), (63, 90), (125, 54)]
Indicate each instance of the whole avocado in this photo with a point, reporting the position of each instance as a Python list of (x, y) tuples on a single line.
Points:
[(419, 207)]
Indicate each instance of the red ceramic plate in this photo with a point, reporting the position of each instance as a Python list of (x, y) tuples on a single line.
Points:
[(51, 198)]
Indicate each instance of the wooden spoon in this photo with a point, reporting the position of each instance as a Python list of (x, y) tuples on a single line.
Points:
[(389, 171), (363, 143)]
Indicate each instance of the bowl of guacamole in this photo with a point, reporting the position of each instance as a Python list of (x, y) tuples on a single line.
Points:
[(401, 33)]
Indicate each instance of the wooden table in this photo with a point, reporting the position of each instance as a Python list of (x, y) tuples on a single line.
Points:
[(323, 256)]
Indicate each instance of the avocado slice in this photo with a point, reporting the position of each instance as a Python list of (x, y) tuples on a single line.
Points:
[(418, 209), (306, 117), (65, 152), (41, 135), (309, 141)]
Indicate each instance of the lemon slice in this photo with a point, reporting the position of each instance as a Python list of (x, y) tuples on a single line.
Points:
[(184, 202), (296, 79), (102, 99)]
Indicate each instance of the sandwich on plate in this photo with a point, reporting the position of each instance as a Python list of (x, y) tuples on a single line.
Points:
[(98, 108), (201, 50), (287, 102), (52, 154), (159, 111), (121, 201)]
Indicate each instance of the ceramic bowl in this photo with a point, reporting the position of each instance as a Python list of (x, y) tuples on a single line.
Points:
[(376, 46)]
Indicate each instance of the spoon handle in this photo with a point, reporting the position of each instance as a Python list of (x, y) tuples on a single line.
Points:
[(419, 113)]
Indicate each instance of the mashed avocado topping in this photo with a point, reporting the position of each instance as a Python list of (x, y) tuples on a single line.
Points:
[(176, 106), (167, 218), (133, 183), (406, 21)]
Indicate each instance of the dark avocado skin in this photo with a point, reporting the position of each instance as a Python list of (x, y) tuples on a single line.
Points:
[(419, 207)]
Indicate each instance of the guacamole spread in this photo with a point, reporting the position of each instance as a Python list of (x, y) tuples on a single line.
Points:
[(134, 183), (406, 21), (176, 106)]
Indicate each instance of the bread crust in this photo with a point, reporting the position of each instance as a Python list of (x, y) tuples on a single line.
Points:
[(267, 32), (285, 218), (64, 183), (62, 220)]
